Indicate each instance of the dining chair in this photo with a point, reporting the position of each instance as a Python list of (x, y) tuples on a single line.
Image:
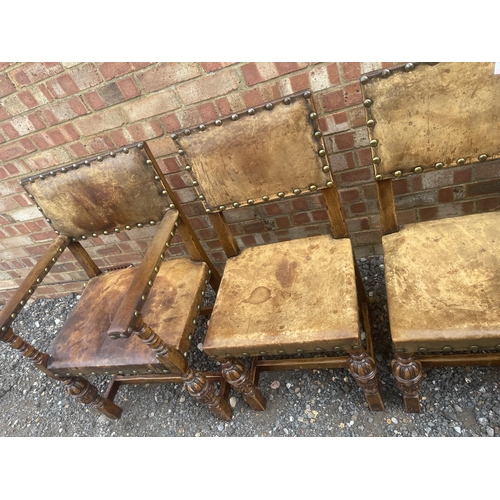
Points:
[(279, 303), (133, 324), (442, 276)]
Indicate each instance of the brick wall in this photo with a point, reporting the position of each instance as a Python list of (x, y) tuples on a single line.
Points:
[(55, 113)]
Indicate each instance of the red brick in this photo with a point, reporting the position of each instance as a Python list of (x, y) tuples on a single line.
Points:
[(9, 131), (350, 70), (224, 106), (3, 114), (349, 195), (400, 186), (446, 195), (482, 188), (77, 106), (99, 122), (287, 67), (80, 150), (128, 88), (356, 176), (49, 117), (211, 86), (62, 86), (272, 209), (31, 73), (364, 157), (6, 86), (28, 99), (207, 112), (111, 70), (36, 121), (251, 74), (488, 204), (252, 98), (333, 101), (100, 144), (357, 117), (167, 74), (300, 204), (209, 67), (300, 82), (11, 168), (16, 149), (488, 170), (302, 218), (282, 222), (344, 141), (94, 100), (119, 138)]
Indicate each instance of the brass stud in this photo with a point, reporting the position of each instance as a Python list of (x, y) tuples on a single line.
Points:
[(80, 374), (297, 191), (202, 127), (38, 280), (318, 134), (48, 220), (94, 235), (187, 132), (30, 290), (150, 283), (461, 161), (236, 204), (171, 205), (164, 193), (263, 352), (222, 207), (92, 373), (139, 224), (234, 117), (364, 79), (367, 103), (439, 165), (370, 123), (136, 313), (300, 350), (186, 354), (265, 198), (307, 94), (157, 177), (68, 374), (218, 123), (22, 302), (87, 163), (281, 194), (385, 73), (497, 347), (56, 375), (152, 223), (162, 256), (128, 227), (140, 145), (174, 136), (149, 162), (417, 170), (46, 269), (120, 372), (143, 298), (447, 348), (281, 351), (243, 353), (322, 152), (250, 202), (201, 197), (482, 157), (376, 160), (63, 170), (107, 232), (116, 230), (4, 328), (188, 168), (195, 183), (181, 152), (40, 208), (313, 187), (84, 237), (251, 111), (474, 348), (125, 150), (165, 371), (313, 115), (374, 143), (319, 348), (53, 259), (269, 106), (398, 173), (13, 315), (287, 101), (156, 269), (378, 177), (208, 210), (422, 349), (329, 184), (409, 67), (129, 330)]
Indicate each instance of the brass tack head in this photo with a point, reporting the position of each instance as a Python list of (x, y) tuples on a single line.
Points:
[(385, 73), (195, 183), (307, 94), (61, 250), (157, 177), (263, 352), (30, 290), (112, 154), (84, 237), (367, 103), (172, 234), (171, 205), (190, 337), (139, 225), (52, 173), (46, 269), (318, 134), (38, 280), (287, 100), (136, 313), (57, 232), (140, 145), (364, 79), (474, 348), (150, 371), (201, 197), (497, 347), (152, 223), (164, 193), (68, 374), (165, 371), (56, 375), (422, 349), (269, 106), (300, 350), (187, 132), (281, 351), (203, 293), (92, 373), (162, 256), (188, 168), (482, 157), (202, 127), (417, 170), (322, 152), (439, 165), (181, 152), (125, 150), (13, 315), (313, 115), (250, 202), (319, 348), (39, 208), (120, 373), (265, 198), (234, 117), (105, 232), (243, 353), (208, 210), (313, 187), (129, 330), (378, 177), (80, 374), (370, 123), (251, 111), (447, 348), (297, 191), (398, 173), (128, 227), (156, 269), (218, 123), (329, 184), (150, 283), (186, 354), (4, 328), (63, 170), (48, 220), (461, 161), (149, 162), (236, 204), (174, 136), (409, 67), (41, 176), (194, 322), (143, 297), (87, 163), (222, 207), (376, 160), (22, 302), (281, 194), (94, 235)]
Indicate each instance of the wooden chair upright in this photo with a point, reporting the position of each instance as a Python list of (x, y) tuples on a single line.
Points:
[(442, 276), (134, 324), (284, 299)]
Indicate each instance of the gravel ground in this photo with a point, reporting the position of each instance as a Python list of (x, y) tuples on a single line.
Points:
[(455, 401)]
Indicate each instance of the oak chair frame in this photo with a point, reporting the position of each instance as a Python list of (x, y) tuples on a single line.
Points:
[(393, 163), (360, 360), (128, 319)]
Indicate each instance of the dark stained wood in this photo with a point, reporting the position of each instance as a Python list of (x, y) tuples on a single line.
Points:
[(466, 359), (315, 363), (407, 371), (224, 233), (388, 216), (334, 209), (28, 286), (84, 259)]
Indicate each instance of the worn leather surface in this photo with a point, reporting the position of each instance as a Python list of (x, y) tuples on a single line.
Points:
[(261, 155), (83, 344), (443, 283), (435, 114), (298, 294), (108, 194)]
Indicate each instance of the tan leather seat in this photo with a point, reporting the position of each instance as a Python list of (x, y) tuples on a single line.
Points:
[(443, 283)]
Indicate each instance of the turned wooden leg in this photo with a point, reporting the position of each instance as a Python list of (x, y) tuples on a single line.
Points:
[(196, 384), (87, 393), (409, 376), (235, 373), (364, 371)]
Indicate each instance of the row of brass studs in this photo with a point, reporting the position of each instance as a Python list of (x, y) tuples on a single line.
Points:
[(418, 170), (337, 349), (448, 348), (30, 292), (386, 73)]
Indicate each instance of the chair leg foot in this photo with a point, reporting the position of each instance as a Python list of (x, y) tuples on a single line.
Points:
[(203, 390), (409, 376), (87, 393), (235, 373), (364, 372)]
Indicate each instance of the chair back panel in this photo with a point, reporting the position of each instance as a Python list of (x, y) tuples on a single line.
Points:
[(252, 156), (430, 116), (106, 193)]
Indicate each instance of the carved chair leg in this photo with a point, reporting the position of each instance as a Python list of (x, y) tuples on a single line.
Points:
[(196, 384), (87, 393), (365, 373), (409, 376), (235, 373)]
